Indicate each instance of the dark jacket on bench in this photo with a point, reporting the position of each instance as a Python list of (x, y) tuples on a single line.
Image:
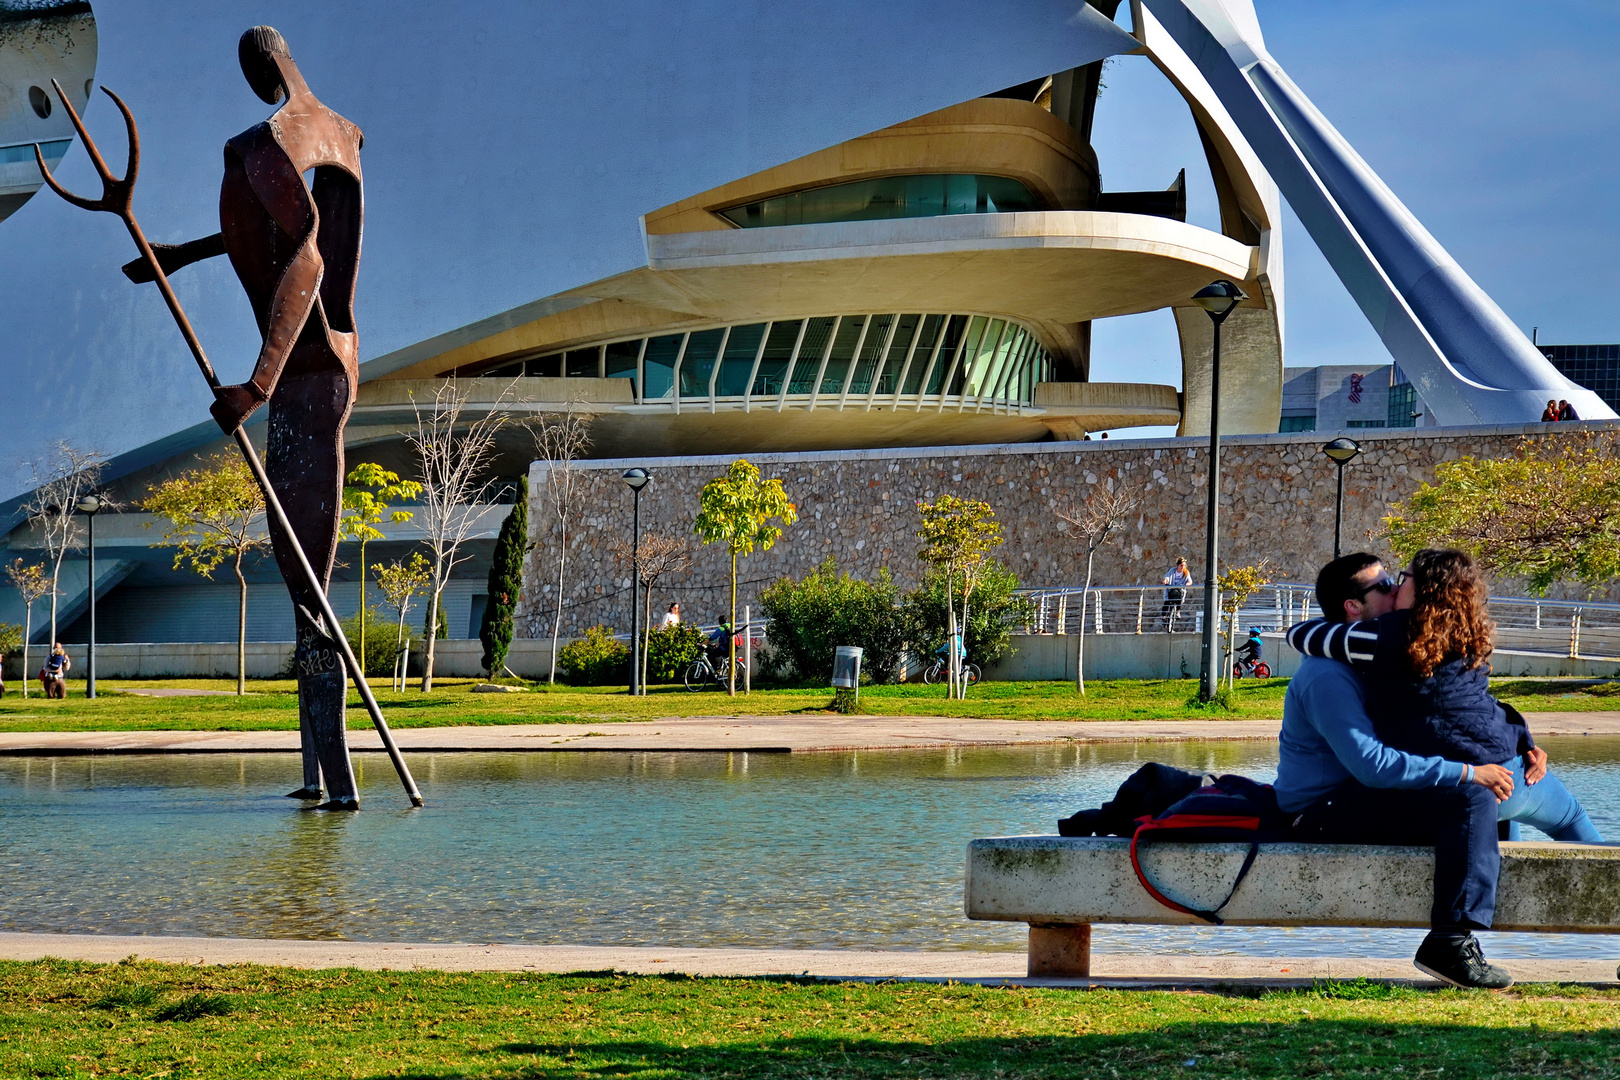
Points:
[(1450, 714)]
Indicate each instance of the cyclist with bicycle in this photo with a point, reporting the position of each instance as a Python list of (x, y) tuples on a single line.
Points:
[(1248, 656)]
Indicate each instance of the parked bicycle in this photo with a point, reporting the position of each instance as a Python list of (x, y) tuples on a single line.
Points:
[(703, 671), (937, 671)]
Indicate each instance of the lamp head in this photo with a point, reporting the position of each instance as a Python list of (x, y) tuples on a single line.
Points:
[(637, 478), (1340, 451), (90, 504), (1219, 298)]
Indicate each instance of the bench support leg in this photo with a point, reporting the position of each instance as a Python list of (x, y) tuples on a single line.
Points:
[(1059, 952)]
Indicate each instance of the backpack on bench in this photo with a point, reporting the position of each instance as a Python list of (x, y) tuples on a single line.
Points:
[(1225, 810)]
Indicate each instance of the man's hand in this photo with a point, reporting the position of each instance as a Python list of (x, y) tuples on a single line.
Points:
[(1498, 779), (1535, 764)]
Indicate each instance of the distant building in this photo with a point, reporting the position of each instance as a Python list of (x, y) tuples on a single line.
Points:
[(1338, 396), (1596, 367)]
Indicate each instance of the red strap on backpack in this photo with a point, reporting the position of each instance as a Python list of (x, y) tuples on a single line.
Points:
[(1146, 825)]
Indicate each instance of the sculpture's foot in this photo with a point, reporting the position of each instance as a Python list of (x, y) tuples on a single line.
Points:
[(305, 793), (350, 803)]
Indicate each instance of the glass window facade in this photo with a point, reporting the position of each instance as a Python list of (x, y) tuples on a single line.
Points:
[(1596, 367), (10, 155), (1402, 404), (893, 359), (887, 197), (1297, 423)]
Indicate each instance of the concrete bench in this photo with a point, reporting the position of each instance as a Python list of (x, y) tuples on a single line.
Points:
[(1061, 885)]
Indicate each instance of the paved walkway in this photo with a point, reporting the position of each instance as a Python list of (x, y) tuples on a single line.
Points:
[(1004, 967), (758, 734)]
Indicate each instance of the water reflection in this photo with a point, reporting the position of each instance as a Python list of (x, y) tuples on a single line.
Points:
[(858, 850)]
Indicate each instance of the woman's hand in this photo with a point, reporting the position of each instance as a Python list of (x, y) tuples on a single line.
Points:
[(1498, 779), (1535, 764)]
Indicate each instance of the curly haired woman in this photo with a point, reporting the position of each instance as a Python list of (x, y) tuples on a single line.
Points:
[(1425, 670)]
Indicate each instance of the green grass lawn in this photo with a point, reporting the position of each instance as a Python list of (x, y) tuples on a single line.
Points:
[(272, 704), (66, 1019)]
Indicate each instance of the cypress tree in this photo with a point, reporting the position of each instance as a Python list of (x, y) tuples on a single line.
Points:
[(505, 582)]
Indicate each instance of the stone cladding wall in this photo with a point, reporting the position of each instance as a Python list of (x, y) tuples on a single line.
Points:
[(859, 507)]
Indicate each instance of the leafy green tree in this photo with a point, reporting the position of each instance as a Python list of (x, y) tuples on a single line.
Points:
[(11, 639), (811, 617), (958, 536), (1548, 513), (367, 500), (32, 581), (505, 582), (741, 510), (997, 608), (215, 514)]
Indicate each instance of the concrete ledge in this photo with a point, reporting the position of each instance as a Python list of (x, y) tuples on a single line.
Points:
[(1052, 880)]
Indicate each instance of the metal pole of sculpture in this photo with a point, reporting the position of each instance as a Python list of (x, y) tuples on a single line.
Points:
[(296, 251)]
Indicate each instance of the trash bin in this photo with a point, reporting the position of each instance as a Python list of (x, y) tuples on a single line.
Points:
[(847, 667)]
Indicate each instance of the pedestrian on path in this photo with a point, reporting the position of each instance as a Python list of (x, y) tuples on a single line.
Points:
[(1178, 579)]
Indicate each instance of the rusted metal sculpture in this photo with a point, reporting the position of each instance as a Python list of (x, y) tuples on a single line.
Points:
[(296, 249)]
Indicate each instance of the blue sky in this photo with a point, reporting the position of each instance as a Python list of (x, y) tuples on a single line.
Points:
[(1496, 126), (489, 183)]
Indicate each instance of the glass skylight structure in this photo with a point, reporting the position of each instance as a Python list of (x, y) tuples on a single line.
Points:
[(829, 361)]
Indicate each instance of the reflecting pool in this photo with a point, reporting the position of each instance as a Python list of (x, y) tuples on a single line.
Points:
[(847, 850)]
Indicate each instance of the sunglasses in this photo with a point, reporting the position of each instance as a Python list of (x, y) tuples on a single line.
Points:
[(1385, 584)]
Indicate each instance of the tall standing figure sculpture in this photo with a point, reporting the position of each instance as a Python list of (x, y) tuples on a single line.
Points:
[(296, 249)]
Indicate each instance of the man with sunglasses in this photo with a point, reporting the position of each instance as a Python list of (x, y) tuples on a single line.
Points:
[(1344, 786)]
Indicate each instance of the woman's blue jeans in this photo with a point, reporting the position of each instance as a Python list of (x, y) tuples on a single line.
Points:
[(1548, 805)]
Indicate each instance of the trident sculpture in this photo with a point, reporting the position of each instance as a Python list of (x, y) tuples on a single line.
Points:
[(296, 249)]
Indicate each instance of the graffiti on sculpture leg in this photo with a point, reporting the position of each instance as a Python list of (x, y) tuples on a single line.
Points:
[(323, 694)]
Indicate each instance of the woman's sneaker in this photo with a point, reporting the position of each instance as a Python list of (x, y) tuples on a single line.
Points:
[(1458, 960)]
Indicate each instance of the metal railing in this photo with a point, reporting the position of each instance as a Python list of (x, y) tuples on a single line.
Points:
[(1147, 609), (1572, 628)]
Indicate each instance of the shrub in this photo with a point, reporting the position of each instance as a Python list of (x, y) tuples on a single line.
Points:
[(594, 659), (994, 608), (382, 647), (810, 618), (670, 649)]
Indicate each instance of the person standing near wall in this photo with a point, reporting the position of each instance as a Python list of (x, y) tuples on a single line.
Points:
[(672, 617), (1177, 579)]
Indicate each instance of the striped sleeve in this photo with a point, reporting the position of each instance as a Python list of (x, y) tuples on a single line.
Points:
[(1349, 643)]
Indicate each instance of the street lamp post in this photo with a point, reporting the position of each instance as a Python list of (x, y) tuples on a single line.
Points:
[(1218, 299), (90, 506), (636, 479), (1340, 452)]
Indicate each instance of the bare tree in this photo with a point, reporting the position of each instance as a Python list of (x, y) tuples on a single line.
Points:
[(1094, 522), (455, 455), (60, 479), (661, 555), (559, 441)]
